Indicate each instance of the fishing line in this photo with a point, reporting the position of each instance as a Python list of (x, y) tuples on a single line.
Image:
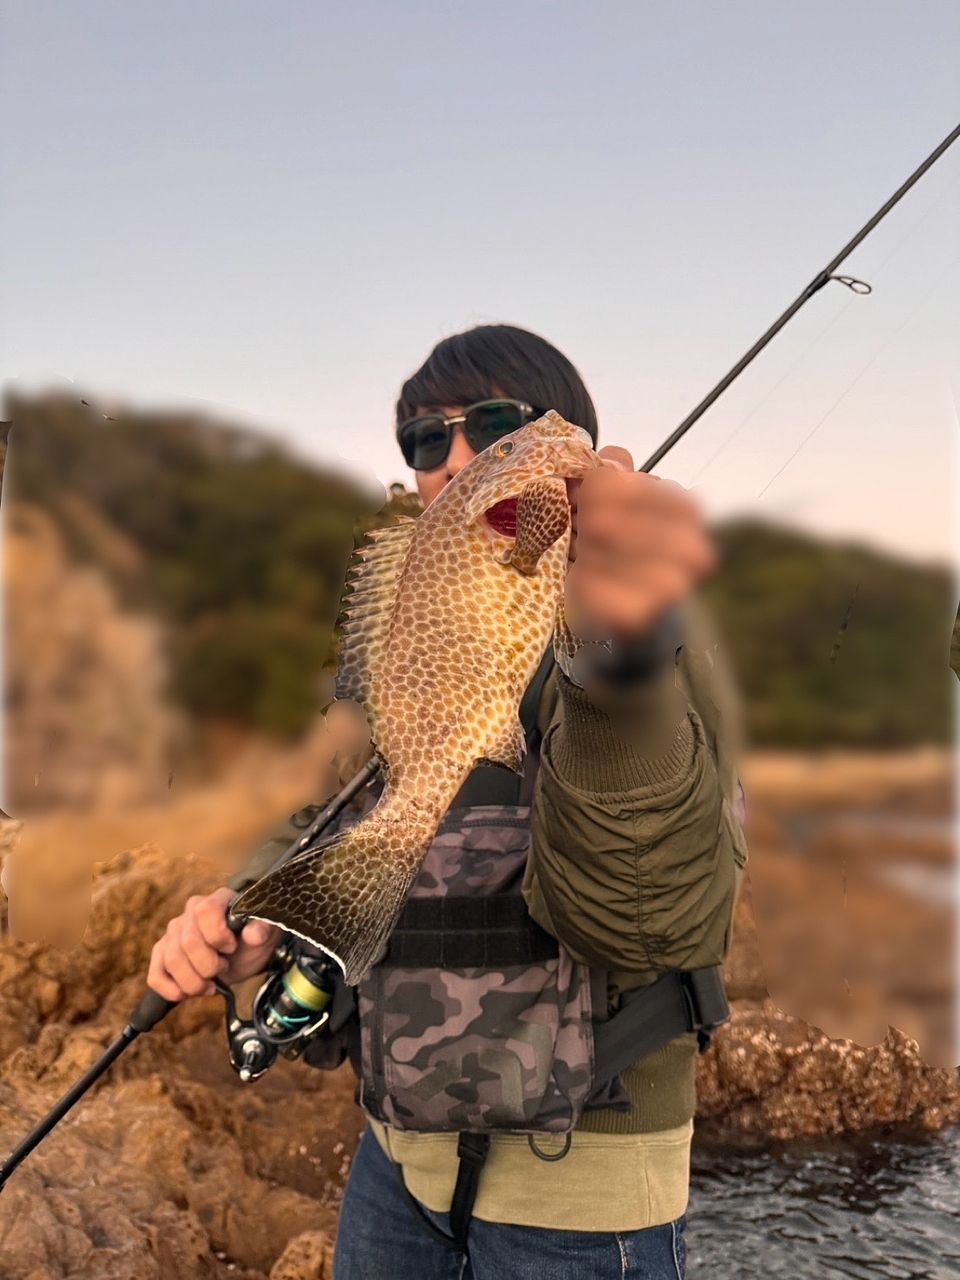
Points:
[(776, 387), (843, 395), (820, 336), (819, 281)]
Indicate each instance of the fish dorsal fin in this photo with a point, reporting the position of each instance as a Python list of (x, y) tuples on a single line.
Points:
[(367, 610)]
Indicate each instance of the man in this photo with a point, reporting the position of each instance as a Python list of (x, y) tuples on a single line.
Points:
[(634, 857)]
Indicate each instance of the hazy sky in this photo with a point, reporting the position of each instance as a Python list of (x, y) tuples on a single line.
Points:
[(276, 210)]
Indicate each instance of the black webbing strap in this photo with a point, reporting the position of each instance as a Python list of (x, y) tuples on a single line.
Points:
[(464, 933), (488, 784), (679, 1001), (413, 1204), (530, 702), (473, 1149)]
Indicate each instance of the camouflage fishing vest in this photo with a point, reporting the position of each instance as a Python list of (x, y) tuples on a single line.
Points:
[(475, 1019)]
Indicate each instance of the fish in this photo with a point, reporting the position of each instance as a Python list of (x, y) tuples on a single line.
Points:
[(446, 618)]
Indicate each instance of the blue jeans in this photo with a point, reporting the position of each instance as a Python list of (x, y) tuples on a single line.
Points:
[(379, 1238)]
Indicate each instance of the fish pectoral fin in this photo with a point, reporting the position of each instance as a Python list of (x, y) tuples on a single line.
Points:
[(343, 898), (509, 749), (543, 516)]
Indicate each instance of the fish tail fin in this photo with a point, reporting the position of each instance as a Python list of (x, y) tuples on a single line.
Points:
[(343, 898)]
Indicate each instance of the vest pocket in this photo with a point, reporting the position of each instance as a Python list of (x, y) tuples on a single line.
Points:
[(449, 1050), (450, 1042)]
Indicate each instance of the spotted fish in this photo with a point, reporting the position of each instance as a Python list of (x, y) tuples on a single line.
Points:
[(446, 621)]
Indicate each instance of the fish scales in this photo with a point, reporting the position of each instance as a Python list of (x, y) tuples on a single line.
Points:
[(446, 622)]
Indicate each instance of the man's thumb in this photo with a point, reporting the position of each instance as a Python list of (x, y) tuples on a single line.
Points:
[(619, 456), (256, 933)]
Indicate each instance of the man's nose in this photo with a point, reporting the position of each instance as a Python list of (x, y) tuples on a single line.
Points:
[(460, 452)]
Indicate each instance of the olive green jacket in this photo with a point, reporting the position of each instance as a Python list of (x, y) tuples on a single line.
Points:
[(636, 851)]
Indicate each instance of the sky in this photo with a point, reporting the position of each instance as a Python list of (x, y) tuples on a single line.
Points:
[(274, 212)]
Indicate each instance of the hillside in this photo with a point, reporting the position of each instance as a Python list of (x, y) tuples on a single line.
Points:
[(238, 548), (834, 644), (235, 546)]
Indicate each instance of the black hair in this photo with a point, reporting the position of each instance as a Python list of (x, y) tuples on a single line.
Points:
[(498, 360)]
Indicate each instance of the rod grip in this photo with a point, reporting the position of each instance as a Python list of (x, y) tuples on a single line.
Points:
[(152, 1009)]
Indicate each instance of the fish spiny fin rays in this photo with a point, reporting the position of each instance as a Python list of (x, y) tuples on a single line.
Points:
[(373, 577), (345, 897), (509, 749), (543, 516)]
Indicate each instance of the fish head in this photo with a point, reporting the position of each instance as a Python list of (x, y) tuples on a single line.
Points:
[(490, 485)]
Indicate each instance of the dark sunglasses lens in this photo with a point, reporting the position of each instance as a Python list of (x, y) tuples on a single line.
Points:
[(489, 422), (425, 443)]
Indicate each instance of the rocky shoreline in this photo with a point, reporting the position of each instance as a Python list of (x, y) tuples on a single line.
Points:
[(172, 1168)]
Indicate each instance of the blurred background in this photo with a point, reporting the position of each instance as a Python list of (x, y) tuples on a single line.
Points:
[(228, 239)]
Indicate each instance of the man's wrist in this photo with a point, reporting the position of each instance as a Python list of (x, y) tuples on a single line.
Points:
[(618, 663), (638, 660)]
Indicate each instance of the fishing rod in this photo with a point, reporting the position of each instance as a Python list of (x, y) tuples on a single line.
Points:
[(293, 1004), (816, 284)]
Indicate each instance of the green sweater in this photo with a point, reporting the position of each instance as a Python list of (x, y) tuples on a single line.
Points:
[(636, 855)]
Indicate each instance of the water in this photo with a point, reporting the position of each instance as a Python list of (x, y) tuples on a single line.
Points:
[(934, 886), (860, 1205), (801, 828)]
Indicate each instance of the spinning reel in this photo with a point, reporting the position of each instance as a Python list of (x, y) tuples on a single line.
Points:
[(289, 1010)]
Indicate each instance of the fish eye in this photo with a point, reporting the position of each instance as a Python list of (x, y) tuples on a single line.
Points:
[(504, 448)]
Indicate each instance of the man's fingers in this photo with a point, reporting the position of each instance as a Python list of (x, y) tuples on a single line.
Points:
[(598, 572), (612, 486), (639, 544), (628, 607), (159, 980), (205, 959), (177, 963), (670, 497), (638, 534), (194, 949), (211, 918), (186, 977)]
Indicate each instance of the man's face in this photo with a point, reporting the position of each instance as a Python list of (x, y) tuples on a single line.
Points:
[(430, 483)]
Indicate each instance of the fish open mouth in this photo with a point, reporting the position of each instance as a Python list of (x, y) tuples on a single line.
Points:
[(502, 517)]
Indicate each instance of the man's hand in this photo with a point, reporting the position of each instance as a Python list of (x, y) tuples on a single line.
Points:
[(198, 947), (639, 547)]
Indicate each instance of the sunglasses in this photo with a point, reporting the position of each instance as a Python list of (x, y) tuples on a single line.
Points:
[(425, 442)]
